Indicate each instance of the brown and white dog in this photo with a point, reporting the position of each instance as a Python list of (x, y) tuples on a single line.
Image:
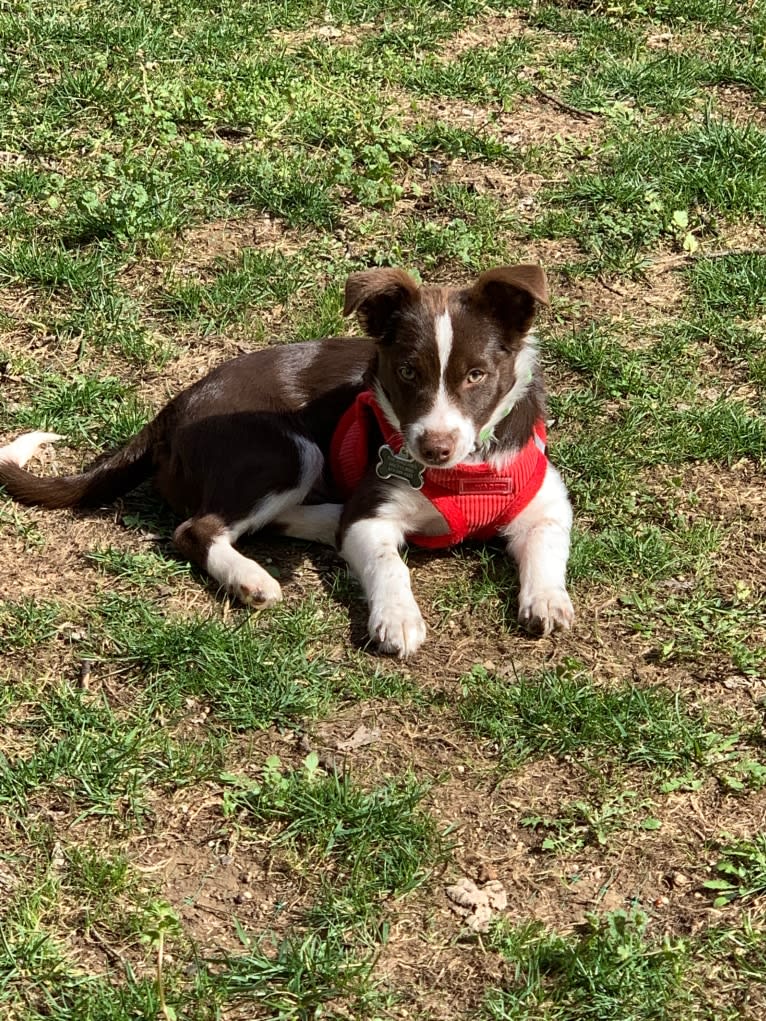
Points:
[(445, 408)]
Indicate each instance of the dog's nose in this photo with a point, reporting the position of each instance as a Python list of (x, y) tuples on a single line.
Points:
[(437, 448)]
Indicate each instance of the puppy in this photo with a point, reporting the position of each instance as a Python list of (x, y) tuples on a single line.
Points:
[(431, 431)]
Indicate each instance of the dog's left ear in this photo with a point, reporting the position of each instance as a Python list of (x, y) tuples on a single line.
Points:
[(377, 295), (512, 292)]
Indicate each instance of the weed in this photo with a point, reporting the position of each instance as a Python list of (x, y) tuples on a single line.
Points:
[(612, 971), (591, 822), (742, 871)]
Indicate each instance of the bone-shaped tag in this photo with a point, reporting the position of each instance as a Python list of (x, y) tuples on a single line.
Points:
[(399, 466)]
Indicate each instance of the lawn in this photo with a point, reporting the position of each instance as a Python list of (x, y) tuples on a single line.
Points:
[(215, 813)]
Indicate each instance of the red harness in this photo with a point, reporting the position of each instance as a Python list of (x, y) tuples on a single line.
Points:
[(476, 500)]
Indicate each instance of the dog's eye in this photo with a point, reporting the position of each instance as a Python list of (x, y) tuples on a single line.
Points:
[(407, 373), (476, 376)]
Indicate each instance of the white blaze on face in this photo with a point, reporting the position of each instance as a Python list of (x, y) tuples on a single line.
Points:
[(444, 417)]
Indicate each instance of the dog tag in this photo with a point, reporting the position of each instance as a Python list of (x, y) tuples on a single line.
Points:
[(399, 466)]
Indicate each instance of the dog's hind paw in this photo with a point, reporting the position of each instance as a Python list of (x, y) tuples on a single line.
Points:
[(399, 630), (259, 592), (543, 612)]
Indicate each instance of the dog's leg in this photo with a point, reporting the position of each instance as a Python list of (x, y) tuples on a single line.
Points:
[(208, 538), (370, 546), (538, 539), (316, 522), (207, 542)]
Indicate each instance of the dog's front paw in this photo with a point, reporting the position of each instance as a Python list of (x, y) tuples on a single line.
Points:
[(545, 611), (399, 629)]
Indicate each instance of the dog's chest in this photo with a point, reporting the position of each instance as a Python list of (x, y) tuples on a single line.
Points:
[(434, 507), (414, 511)]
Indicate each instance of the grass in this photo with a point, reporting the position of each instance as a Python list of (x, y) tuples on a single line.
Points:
[(583, 823), (139, 569), (648, 181), (257, 280), (378, 844), (565, 715), (300, 977), (705, 621), (180, 182), (613, 970), (27, 622), (84, 755), (96, 411), (253, 675)]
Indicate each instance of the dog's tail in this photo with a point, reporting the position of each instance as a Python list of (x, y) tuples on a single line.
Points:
[(114, 475)]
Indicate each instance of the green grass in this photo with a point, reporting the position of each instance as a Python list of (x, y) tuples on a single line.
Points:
[(614, 970), (373, 845), (27, 622), (257, 280), (583, 823), (643, 553), (735, 285), (703, 621), (61, 989), (14, 522), (564, 714), (138, 569), (93, 759), (253, 673), (301, 976), (94, 411), (480, 75), (646, 179), (609, 63)]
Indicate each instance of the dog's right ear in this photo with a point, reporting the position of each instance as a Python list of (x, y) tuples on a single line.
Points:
[(377, 295)]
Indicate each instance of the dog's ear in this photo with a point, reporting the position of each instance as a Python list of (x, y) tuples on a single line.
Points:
[(512, 293), (377, 295)]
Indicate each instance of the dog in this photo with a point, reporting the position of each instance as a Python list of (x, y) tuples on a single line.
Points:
[(429, 430)]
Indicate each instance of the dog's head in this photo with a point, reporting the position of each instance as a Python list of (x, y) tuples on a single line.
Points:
[(451, 363)]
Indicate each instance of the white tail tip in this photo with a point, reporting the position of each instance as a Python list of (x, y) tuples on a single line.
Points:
[(25, 447)]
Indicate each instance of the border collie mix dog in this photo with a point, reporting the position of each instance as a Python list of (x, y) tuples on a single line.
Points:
[(430, 432)]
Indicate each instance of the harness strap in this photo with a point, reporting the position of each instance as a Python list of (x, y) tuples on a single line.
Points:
[(475, 500)]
